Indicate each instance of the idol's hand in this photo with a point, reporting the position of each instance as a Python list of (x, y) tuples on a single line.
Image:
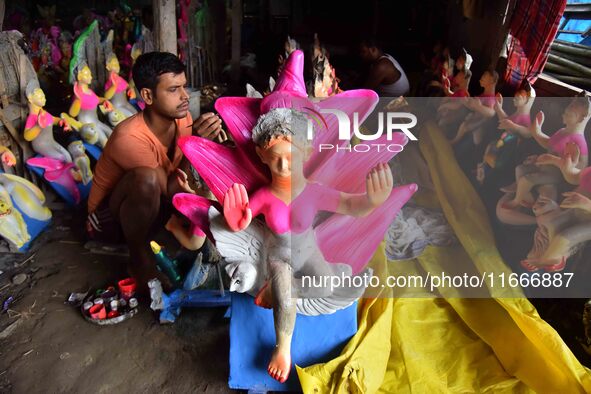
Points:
[(236, 210), (536, 126), (499, 100), (379, 184), (571, 155)]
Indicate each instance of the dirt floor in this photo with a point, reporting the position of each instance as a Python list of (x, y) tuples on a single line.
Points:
[(47, 347)]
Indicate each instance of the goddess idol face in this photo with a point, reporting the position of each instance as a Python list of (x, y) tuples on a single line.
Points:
[(282, 157)]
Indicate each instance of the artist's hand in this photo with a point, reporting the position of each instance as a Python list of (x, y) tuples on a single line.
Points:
[(183, 181), (208, 125), (222, 137), (576, 200), (236, 210), (379, 184), (174, 223), (178, 183)]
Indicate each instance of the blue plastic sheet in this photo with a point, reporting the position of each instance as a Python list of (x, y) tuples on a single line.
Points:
[(316, 339)]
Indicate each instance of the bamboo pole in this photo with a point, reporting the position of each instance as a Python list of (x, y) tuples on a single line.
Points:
[(573, 50), (570, 64), (577, 59), (557, 68), (573, 44), (581, 82)]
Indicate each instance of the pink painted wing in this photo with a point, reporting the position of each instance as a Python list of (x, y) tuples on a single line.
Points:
[(353, 241), (221, 166), (346, 171), (195, 208), (240, 115), (321, 164)]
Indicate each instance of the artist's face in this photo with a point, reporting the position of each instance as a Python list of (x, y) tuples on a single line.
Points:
[(85, 75), (171, 98), (367, 54), (38, 98)]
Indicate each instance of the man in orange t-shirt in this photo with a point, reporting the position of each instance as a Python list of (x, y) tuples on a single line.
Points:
[(137, 173)]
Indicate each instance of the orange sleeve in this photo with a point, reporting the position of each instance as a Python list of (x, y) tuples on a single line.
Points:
[(130, 152)]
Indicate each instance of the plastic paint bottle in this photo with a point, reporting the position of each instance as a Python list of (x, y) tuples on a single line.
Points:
[(166, 264)]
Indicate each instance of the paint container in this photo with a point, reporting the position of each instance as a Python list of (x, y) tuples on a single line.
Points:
[(109, 296), (114, 305), (112, 314), (87, 306), (98, 312), (127, 287), (99, 301), (133, 303)]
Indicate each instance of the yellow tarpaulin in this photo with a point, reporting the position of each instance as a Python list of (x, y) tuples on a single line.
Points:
[(443, 345)]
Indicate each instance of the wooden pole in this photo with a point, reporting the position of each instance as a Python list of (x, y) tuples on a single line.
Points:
[(165, 34), (236, 38), (2, 11)]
